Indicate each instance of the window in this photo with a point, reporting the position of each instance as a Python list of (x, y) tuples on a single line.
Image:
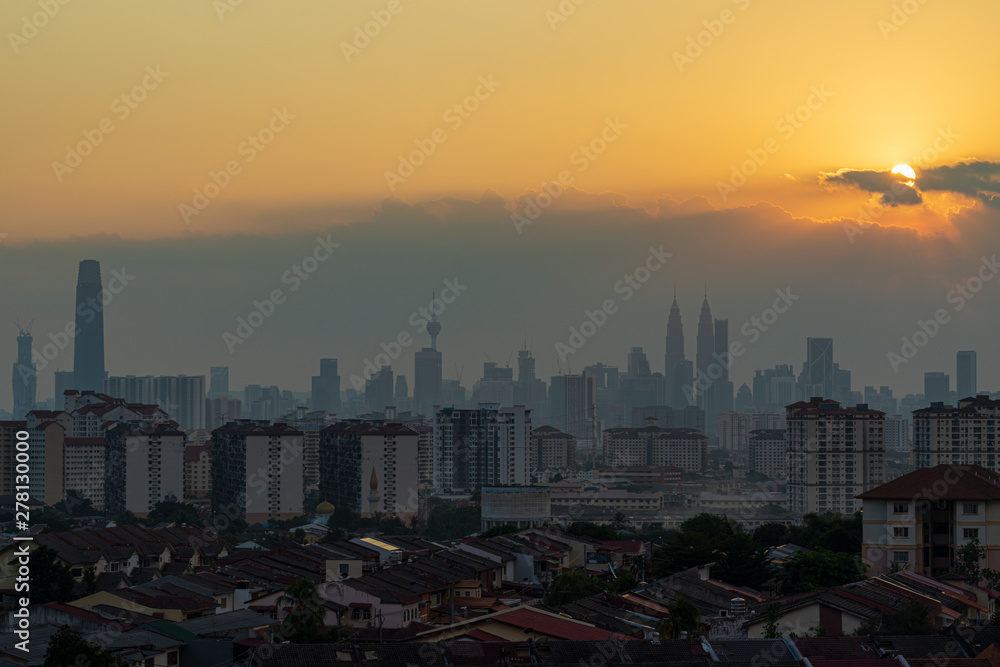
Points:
[(355, 614), (900, 557), (366, 614), (172, 658), (900, 531), (224, 603), (345, 570), (970, 533), (970, 508), (900, 508)]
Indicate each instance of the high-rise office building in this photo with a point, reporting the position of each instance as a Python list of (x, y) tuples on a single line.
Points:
[(219, 382), (721, 389), (88, 345), (897, 434), (638, 364), (937, 387), (486, 446), (402, 392), (326, 388), (24, 377), (819, 367), (379, 389), (703, 362), (965, 377), (64, 382), (427, 372), (834, 453)]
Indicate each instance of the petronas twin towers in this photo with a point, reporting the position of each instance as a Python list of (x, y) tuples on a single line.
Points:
[(705, 384)]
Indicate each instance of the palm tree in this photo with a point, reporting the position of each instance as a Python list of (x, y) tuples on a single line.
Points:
[(306, 617), (682, 616)]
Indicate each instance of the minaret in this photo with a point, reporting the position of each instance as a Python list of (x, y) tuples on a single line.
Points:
[(703, 360), (673, 367)]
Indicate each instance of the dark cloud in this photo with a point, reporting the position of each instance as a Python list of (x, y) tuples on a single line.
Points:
[(978, 179), (892, 187)]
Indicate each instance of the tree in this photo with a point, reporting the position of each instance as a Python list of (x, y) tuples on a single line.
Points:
[(682, 616), (67, 647), (770, 535), (771, 620), (90, 580), (75, 504), (496, 531), (816, 570), (688, 549), (594, 531), (711, 525), (51, 580), (625, 582), (169, 511), (743, 562), (573, 586), (304, 622), (967, 564)]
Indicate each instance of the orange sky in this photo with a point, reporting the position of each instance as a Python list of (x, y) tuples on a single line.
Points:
[(891, 94)]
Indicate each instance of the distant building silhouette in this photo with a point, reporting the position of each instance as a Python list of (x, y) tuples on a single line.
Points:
[(25, 376), (219, 378), (937, 387), (88, 346), (965, 377), (676, 369), (818, 378), (326, 388), (427, 371)]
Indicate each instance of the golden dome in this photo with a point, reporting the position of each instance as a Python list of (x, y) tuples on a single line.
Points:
[(324, 508)]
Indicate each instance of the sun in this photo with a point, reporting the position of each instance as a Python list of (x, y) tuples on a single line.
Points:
[(905, 170)]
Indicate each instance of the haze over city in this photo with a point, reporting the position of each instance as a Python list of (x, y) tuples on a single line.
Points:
[(578, 331)]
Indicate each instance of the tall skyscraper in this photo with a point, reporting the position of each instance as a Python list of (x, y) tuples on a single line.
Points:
[(676, 368), (88, 346), (219, 387), (64, 381), (427, 365), (819, 367), (721, 391), (937, 387), (326, 388), (181, 396), (965, 376), (704, 359), (25, 376), (638, 364)]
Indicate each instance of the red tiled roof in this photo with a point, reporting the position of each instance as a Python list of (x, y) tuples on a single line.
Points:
[(943, 482), (622, 546), (552, 626)]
